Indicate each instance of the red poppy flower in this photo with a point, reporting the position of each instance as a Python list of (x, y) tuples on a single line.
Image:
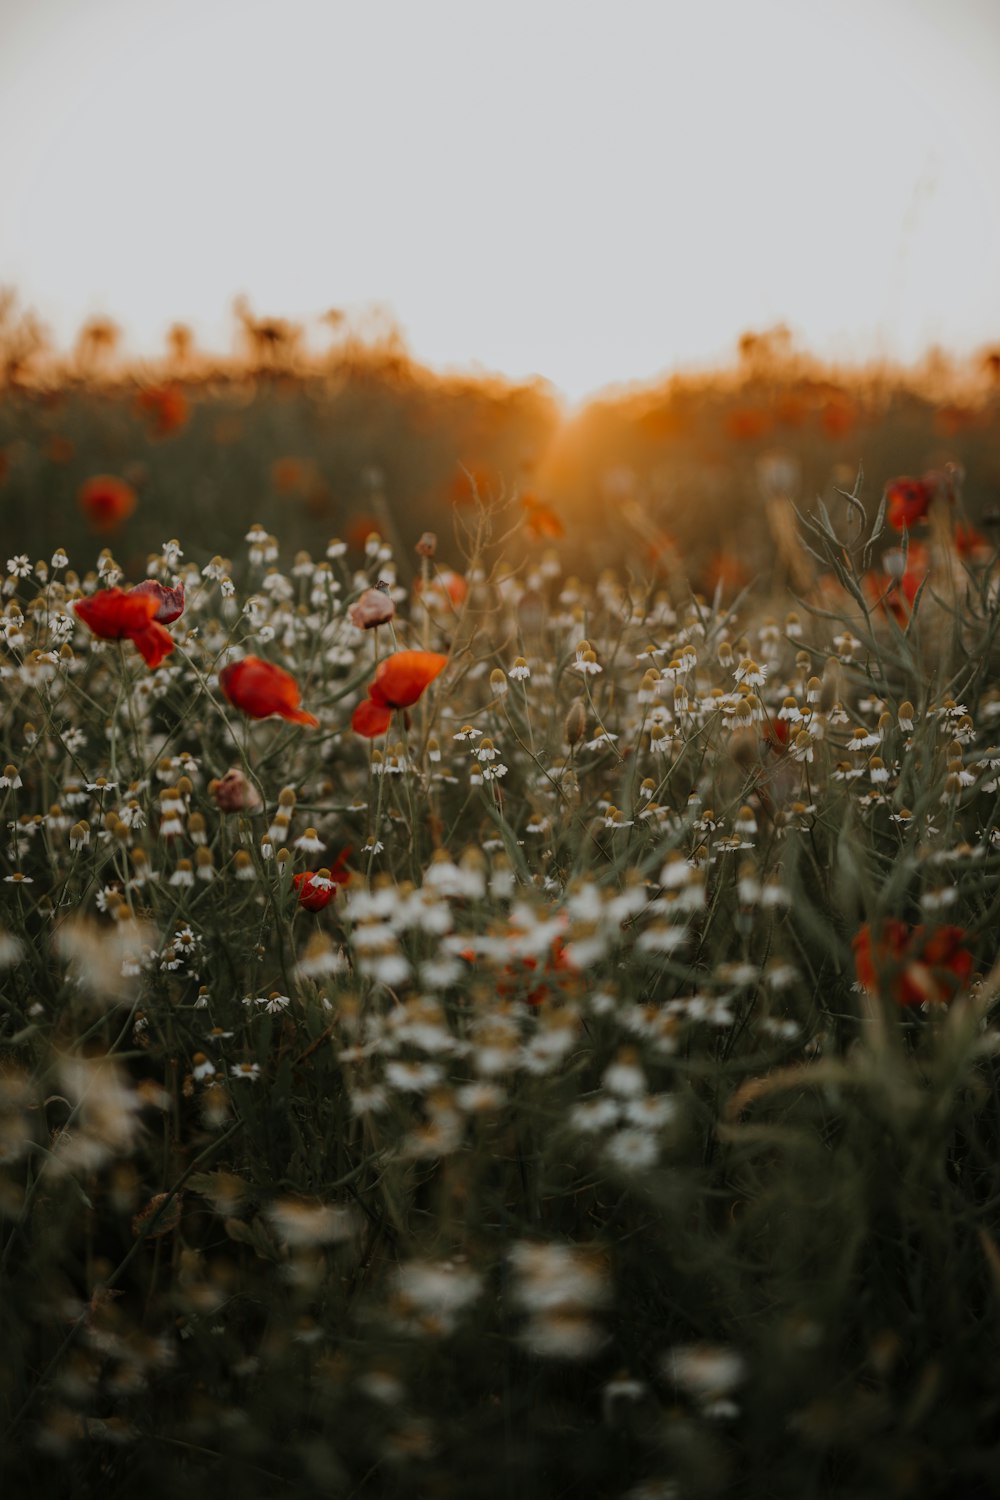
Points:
[(518, 977), (540, 520), (661, 552), (120, 614), (260, 689), (776, 733), (371, 719), (107, 501), (317, 888), (908, 501), (473, 481), (446, 590), (914, 964), (399, 681), (727, 569), (169, 602), (746, 424), (401, 678), (895, 594), (837, 417), (971, 545), (166, 408), (153, 644)]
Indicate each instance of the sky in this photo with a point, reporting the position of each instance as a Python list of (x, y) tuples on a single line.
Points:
[(590, 192)]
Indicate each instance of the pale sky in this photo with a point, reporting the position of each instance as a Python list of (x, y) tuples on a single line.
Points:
[(593, 192)]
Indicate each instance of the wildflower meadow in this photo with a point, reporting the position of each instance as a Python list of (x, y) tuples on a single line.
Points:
[(499, 1002)]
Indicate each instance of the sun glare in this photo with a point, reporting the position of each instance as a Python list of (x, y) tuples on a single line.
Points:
[(584, 192)]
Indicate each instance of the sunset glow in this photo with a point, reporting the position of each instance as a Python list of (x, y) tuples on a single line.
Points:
[(592, 193)]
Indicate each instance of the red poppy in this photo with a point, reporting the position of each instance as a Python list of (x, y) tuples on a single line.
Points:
[(291, 476), (916, 965), (776, 733), (153, 644), (908, 501), (166, 408), (371, 719), (895, 593), (317, 888), (359, 528), (837, 417), (540, 521), (519, 976), (120, 614), (746, 424), (971, 545), (661, 552), (107, 501), (727, 569), (446, 590), (170, 602), (399, 681), (471, 482), (261, 689)]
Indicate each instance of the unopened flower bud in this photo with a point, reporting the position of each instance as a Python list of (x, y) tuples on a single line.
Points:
[(576, 722), (374, 607), (234, 793)]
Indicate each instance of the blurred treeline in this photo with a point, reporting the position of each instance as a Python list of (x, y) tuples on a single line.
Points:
[(362, 437)]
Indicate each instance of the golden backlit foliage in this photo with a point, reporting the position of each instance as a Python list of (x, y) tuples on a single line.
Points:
[(333, 428)]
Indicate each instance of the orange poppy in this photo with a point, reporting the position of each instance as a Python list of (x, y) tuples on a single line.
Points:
[(915, 964), (125, 614), (165, 407), (259, 689), (401, 678), (399, 681), (908, 501), (106, 501)]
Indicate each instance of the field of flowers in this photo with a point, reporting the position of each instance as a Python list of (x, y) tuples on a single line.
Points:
[(472, 1030)]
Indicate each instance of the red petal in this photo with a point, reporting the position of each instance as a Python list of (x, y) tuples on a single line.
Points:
[(371, 719), (169, 602), (114, 614), (153, 644), (402, 677), (260, 689)]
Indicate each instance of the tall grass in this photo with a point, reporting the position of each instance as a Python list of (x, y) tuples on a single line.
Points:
[(626, 1124)]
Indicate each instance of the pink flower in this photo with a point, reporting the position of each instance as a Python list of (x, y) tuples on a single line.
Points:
[(170, 602), (373, 608)]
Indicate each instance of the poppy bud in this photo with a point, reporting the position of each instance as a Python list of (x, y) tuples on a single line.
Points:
[(427, 545), (374, 607), (234, 793), (575, 723)]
